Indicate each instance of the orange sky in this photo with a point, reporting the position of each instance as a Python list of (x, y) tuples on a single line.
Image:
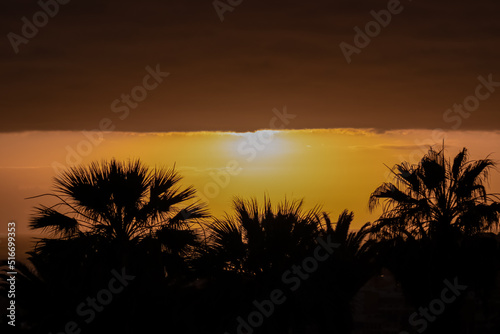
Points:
[(336, 168), (226, 75), (191, 76)]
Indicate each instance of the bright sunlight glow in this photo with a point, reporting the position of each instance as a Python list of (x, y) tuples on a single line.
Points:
[(261, 144)]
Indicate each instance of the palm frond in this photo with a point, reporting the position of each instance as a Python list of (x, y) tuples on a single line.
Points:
[(188, 214), (52, 221), (343, 224)]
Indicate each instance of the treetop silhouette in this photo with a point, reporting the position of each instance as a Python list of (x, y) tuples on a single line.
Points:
[(436, 198)]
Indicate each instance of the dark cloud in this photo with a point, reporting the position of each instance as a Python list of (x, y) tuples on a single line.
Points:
[(230, 75)]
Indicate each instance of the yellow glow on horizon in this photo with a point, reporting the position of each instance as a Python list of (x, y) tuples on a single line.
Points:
[(258, 146), (334, 168)]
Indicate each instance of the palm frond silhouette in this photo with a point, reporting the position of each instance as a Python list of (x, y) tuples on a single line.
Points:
[(436, 198), (257, 238), (126, 206)]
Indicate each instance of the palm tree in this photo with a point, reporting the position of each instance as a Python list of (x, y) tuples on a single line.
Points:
[(112, 215), (247, 254), (356, 243), (437, 198), (258, 239), (122, 206), (349, 268), (433, 211), (250, 251)]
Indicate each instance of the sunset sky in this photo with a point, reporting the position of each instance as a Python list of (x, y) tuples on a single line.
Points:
[(170, 83)]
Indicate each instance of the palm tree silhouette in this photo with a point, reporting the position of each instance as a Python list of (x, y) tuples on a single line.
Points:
[(352, 264), (124, 207), (246, 256), (249, 252), (258, 240), (433, 213), (111, 215), (437, 198), (355, 242)]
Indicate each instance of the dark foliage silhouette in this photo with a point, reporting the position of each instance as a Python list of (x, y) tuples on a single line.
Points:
[(194, 273), (250, 251), (437, 198), (433, 212), (113, 215), (125, 206)]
